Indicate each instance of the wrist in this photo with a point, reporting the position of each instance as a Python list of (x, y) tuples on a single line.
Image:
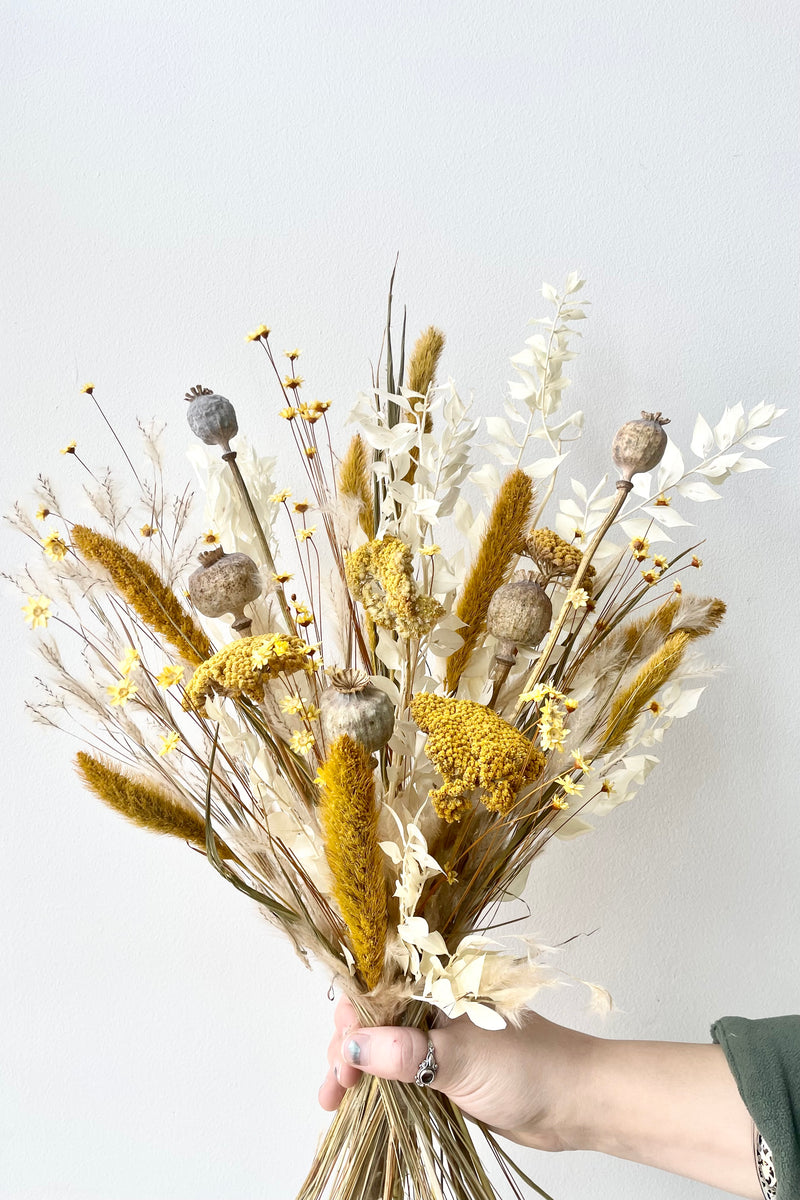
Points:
[(670, 1105)]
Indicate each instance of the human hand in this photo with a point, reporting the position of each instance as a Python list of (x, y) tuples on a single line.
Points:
[(523, 1083)]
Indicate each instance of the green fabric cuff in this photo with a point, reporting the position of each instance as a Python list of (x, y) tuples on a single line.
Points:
[(764, 1057)]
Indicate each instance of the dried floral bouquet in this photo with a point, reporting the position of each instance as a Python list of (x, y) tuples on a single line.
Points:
[(388, 731)]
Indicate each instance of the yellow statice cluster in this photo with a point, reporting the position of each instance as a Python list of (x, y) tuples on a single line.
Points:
[(243, 667), (472, 747), (554, 557), (380, 574)]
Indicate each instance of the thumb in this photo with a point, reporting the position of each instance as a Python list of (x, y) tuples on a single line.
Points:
[(397, 1052)]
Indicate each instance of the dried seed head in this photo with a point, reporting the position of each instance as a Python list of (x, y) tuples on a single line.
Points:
[(355, 707), (212, 418), (520, 612), (639, 445), (224, 583)]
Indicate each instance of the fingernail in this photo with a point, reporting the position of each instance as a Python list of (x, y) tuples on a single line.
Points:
[(356, 1051)]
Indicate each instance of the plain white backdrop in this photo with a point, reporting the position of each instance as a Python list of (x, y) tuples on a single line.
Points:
[(174, 174)]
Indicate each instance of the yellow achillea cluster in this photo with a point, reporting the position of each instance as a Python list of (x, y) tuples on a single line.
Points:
[(554, 557), (143, 802), (380, 574), (509, 518), (472, 747), (350, 821), (243, 667), (138, 583)]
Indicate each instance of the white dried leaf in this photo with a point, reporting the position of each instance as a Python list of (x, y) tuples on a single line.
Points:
[(703, 437), (698, 490)]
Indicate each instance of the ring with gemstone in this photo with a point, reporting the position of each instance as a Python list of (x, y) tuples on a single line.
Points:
[(426, 1071)]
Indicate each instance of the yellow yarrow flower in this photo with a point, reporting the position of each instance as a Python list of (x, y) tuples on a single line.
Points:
[(380, 575), (169, 676), (54, 546), (37, 611), (128, 661), (473, 748), (429, 551), (169, 743), (245, 666), (121, 692)]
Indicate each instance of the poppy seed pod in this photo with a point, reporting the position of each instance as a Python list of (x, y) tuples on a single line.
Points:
[(224, 583), (519, 613), (639, 445), (355, 707), (212, 418)]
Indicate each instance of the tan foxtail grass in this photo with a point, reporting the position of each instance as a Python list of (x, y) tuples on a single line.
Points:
[(145, 803), (147, 594), (498, 551), (355, 482), (350, 821)]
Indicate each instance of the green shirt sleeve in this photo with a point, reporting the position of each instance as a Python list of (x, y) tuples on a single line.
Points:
[(764, 1057)]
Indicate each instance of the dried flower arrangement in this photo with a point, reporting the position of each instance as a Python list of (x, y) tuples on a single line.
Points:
[(377, 757)]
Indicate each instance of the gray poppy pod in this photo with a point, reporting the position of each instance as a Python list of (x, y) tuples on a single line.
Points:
[(639, 445), (211, 418), (355, 707), (224, 583), (520, 612)]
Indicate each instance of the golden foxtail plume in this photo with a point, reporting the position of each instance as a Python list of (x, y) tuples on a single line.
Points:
[(143, 802), (355, 481), (138, 583), (696, 617), (421, 374), (350, 821), (499, 548)]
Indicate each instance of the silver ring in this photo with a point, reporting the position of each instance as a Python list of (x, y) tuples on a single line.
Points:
[(426, 1071)]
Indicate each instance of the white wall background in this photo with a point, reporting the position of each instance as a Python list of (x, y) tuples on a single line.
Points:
[(174, 174)]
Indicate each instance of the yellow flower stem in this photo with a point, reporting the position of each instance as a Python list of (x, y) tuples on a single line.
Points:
[(623, 487), (230, 458)]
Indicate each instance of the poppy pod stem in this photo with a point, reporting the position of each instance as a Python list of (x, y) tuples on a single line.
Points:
[(230, 458), (623, 487)]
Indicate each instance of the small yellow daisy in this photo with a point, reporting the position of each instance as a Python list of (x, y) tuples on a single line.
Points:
[(121, 692), (169, 743), (169, 676), (37, 611)]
